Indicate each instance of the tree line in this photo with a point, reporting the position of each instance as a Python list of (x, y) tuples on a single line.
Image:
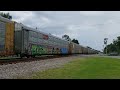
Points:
[(114, 46), (6, 15), (66, 37)]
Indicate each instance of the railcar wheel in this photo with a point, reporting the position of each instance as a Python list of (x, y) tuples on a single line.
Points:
[(27, 56), (33, 56), (21, 56)]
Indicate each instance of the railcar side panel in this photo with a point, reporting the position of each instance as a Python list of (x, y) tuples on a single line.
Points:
[(70, 48), (25, 41), (18, 42), (9, 39), (38, 43), (2, 37), (64, 51)]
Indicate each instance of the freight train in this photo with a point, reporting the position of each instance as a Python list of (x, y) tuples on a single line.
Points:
[(18, 39)]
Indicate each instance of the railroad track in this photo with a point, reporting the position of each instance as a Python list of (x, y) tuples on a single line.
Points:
[(19, 60)]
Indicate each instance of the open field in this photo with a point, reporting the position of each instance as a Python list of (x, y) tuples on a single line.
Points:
[(84, 68)]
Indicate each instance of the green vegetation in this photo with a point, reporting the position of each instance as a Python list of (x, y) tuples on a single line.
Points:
[(75, 41), (66, 37), (6, 15), (114, 46), (87, 68)]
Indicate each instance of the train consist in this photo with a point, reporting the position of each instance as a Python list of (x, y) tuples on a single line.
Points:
[(18, 39)]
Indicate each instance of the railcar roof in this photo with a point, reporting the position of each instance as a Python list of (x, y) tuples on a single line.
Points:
[(36, 30)]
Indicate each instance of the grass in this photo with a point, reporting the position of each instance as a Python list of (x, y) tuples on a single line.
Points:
[(85, 68)]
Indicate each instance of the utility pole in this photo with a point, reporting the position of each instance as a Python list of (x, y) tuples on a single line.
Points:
[(103, 49), (105, 42)]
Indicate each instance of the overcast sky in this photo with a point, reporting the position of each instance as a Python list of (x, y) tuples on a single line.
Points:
[(89, 27)]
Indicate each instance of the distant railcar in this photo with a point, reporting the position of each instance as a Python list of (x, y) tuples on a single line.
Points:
[(75, 48)]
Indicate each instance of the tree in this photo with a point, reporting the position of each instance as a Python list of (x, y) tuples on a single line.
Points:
[(75, 41), (6, 15), (114, 46), (89, 47), (117, 44), (111, 48), (66, 37)]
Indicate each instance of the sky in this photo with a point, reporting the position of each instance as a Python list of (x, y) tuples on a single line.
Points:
[(88, 27)]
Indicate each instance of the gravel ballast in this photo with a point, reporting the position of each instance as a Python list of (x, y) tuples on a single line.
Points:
[(13, 71)]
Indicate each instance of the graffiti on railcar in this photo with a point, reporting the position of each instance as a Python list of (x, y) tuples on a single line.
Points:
[(45, 37), (38, 50), (49, 50), (64, 50), (57, 50)]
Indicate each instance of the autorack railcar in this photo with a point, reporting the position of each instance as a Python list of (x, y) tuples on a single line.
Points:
[(6, 37), (75, 48), (31, 42)]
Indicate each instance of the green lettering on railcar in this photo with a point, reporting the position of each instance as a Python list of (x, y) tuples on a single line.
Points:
[(38, 50)]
